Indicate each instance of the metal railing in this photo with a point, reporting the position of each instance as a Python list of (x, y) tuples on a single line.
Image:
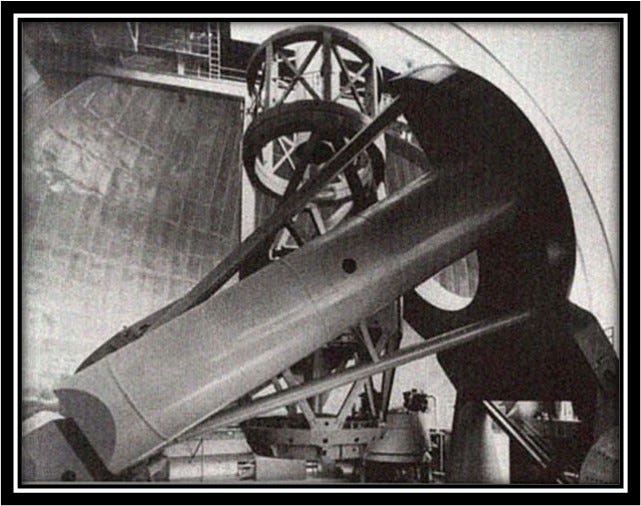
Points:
[(202, 72), (190, 46)]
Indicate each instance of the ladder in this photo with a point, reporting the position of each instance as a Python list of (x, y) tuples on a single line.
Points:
[(213, 50)]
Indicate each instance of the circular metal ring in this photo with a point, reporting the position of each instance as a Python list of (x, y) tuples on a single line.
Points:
[(299, 34), (332, 123)]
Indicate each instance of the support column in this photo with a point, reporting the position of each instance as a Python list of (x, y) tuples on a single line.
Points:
[(479, 449)]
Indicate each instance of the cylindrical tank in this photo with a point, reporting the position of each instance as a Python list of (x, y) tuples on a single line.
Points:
[(399, 456), (402, 442)]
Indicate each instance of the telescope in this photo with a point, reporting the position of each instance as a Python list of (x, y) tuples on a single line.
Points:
[(326, 313)]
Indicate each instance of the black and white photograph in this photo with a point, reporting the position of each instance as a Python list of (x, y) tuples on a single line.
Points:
[(320, 252)]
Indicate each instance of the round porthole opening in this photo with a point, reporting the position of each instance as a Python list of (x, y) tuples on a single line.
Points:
[(349, 265)]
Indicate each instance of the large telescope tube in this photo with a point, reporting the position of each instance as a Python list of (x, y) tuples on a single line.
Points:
[(138, 398)]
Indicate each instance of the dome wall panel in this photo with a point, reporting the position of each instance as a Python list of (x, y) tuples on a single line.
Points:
[(129, 194)]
